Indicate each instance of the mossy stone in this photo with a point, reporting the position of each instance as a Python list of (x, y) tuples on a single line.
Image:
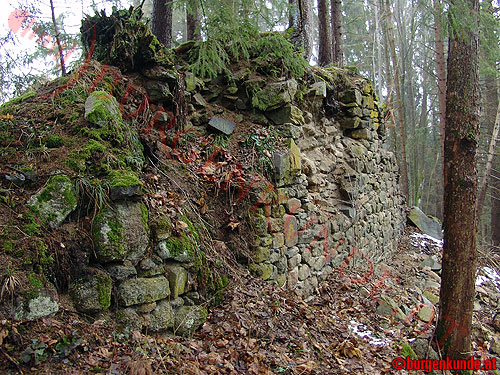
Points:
[(119, 232), (143, 290), (55, 201), (262, 270), (92, 293), (101, 108)]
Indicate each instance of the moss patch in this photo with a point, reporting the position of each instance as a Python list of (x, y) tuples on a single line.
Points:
[(123, 178), (103, 291)]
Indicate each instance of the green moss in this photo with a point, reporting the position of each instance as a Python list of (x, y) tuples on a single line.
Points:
[(54, 184), (54, 141), (115, 235), (145, 216), (179, 245), (77, 158), (123, 178), (104, 291), (407, 351), (8, 246), (6, 106), (35, 282)]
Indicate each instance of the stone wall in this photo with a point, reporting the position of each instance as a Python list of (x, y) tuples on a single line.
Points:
[(336, 191)]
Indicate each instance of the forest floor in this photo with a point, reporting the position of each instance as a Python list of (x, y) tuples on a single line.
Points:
[(258, 329)]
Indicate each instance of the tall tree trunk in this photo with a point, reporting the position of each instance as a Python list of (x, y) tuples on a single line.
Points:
[(460, 190), (302, 22), (491, 113), (338, 42), (58, 39), (397, 87), (193, 20), (441, 75), (495, 205), (325, 42), (161, 21)]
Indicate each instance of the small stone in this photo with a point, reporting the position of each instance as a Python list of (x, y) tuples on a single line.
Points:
[(291, 236), (188, 319), (162, 317), (146, 308), (224, 126), (41, 307), (425, 314), (177, 278)]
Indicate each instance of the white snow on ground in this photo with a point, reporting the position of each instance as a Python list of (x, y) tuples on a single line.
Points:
[(422, 240), (488, 275), (361, 330)]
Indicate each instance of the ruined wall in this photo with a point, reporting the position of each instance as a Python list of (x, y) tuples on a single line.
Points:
[(337, 191)]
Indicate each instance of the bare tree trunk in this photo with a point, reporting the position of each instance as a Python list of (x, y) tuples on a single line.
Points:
[(338, 42), (58, 39), (397, 87), (441, 75), (495, 205), (193, 20), (161, 21), (460, 191), (492, 99), (325, 43)]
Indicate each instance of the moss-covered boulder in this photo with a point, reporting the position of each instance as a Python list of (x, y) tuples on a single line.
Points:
[(120, 232), (92, 293), (124, 184), (101, 108), (188, 319), (262, 270), (55, 201), (143, 290), (275, 95)]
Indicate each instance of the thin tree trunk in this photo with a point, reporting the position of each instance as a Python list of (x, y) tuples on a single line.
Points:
[(338, 42), (58, 39), (441, 76), (161, 21), (460, 191), (325, 43), (193, 20), (492, 99), (401, 113)]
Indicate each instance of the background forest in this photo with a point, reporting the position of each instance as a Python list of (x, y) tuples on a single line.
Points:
[(400, 45)]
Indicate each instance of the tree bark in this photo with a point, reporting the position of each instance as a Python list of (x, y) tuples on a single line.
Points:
[(58, 39), (338, 42), (460, 191), (193, 20), (325, 43), (491, 112), (397, 87), (441, 75), (161, 21)]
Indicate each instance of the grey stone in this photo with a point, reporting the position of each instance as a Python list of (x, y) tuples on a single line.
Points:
[(388, 307), (158, 91), (41, 306), (177, 279), (55, 201), (426, 224), (143, 290), (290, 230), (304, 272), (225, 126), (187, 319), (101, 108), (129, 318), (121, 272), (288, 114), (119, 232), (92, 293), (275, 95), (162, 317)]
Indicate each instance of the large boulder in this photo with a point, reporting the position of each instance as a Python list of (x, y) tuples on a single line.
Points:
[(426, 224), (55, 201), (120, 232)]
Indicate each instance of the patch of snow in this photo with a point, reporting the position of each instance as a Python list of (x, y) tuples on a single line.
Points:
[(362, 331), (488, 274), (422, 240)]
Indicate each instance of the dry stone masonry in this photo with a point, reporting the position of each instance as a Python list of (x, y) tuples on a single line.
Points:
[(336, 189)]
